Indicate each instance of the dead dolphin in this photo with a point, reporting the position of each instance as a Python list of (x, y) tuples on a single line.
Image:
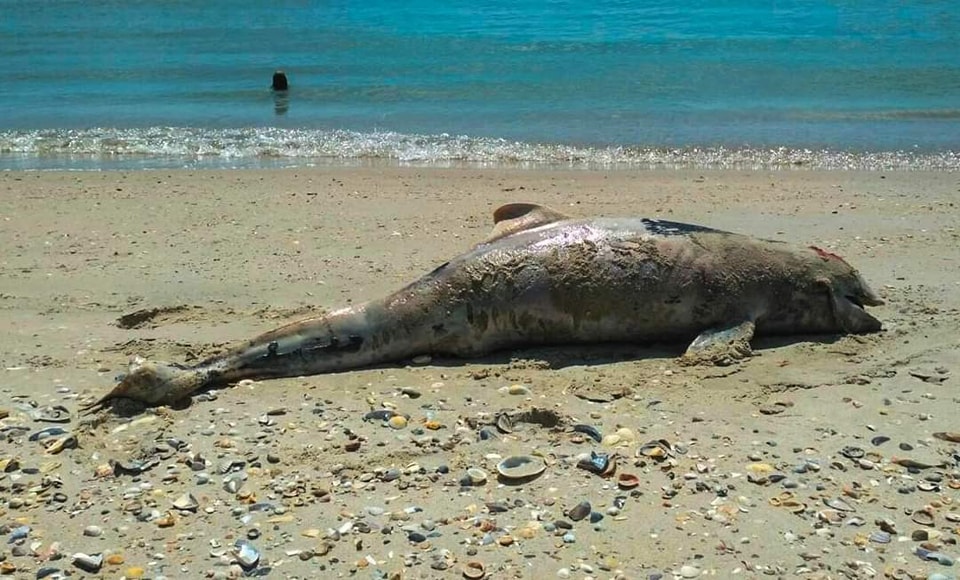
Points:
[(542, 277)]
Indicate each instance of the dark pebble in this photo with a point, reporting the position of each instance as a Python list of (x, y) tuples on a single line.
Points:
[(416, 537), (563, 525), (879, 440), (906, 447), (579, 511), (496, 507)]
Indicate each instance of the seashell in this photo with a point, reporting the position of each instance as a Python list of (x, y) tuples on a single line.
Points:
[(599, 463), (504, 423), (379, 415), (932, 556), (476, 476), (839, 504), (589, 430), (51, 414), (9, 464), (912, 463), (627, 481), (760, 468), (397, 422), (851, 452), (924, 517), (47, 433), (186, 502), (579, 511), (928, 486), (18, 533), (879, 440), (832, 517), (521, 467), (474, 570), (657, 450), (134, 467), (60, 443), (234, 481), (247, 556), (879, 537), (951, 436), (924, 535), (887, 525)]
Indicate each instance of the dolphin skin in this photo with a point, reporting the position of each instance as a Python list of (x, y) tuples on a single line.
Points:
[(542, 277)]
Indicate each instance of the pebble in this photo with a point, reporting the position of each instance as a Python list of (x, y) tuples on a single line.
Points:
[(579, 511), (92, 531), (689, 571)]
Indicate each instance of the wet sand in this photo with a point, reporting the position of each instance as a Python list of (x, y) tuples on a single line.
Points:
[(817, 457)]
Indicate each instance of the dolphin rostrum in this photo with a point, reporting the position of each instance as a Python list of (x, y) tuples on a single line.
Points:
[(542, 277)]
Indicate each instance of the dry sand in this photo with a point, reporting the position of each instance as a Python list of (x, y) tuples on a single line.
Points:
[(756, 449)]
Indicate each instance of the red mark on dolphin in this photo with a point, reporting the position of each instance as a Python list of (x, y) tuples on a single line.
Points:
[(827, 255)]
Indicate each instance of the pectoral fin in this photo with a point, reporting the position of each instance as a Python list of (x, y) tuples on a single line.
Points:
[(720, 346)]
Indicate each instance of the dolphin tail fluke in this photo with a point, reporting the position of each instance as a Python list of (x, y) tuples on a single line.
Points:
[(152, 383)]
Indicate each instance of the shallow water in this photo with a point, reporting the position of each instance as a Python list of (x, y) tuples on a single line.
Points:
[(154, 84)]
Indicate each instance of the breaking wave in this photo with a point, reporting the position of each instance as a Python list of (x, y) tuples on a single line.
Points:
[(168, 147)]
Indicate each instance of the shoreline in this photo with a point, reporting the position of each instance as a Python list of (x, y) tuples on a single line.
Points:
[(272, 147), (758, 450)]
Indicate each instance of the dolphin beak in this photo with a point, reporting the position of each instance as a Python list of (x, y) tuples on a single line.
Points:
[(868, 296)]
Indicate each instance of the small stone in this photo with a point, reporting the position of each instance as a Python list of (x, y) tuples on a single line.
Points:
[(89, 563), (579, 511), (92, 531), (397, 422), (518, 390), (115, 559), (689, 571)]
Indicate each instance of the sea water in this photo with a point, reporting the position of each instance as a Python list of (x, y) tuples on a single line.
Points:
[(167, 83)]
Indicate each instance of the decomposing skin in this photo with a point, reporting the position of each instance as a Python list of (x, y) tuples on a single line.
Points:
[(544, 278)]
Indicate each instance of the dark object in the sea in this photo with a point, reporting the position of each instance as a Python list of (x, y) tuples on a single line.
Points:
[(280, 81)]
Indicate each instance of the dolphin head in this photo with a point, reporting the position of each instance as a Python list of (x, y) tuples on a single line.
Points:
[(848, 294)]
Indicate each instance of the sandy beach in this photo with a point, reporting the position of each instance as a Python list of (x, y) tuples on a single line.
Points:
[(816, 458)]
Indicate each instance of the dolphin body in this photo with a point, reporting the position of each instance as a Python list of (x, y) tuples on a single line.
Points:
[(542, 277)]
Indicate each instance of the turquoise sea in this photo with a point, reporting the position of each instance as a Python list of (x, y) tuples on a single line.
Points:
[(167, 83)]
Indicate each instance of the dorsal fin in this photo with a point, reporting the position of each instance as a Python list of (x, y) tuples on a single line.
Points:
[(516, 217)]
